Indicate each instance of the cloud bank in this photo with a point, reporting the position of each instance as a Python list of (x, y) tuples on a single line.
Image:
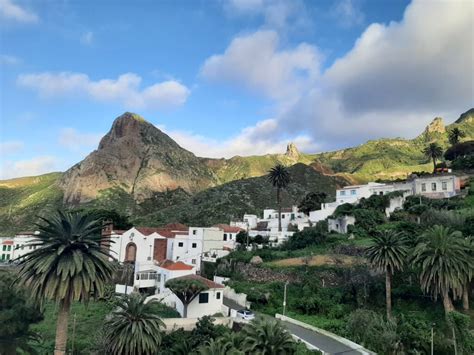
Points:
[(13, 12), (124, 90)]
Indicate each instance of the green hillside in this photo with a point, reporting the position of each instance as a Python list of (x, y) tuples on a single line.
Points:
[(231, 200), (23, 199)]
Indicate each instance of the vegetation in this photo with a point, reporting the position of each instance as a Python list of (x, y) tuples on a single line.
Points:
[(312, 202), (279, 177), (434, 152), (455, 135), (134, 327), (70, 264)]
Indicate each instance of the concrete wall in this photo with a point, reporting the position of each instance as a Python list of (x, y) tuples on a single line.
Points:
[(239, 298)]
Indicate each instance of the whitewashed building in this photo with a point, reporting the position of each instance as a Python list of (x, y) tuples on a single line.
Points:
[(6, 250)]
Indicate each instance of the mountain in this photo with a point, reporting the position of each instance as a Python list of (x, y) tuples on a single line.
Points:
[(139, 158), (141, 171)]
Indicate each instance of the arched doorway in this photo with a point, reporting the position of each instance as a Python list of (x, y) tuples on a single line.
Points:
[(130, 253)]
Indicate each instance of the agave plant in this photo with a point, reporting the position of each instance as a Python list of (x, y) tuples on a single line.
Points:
[(135, 327)]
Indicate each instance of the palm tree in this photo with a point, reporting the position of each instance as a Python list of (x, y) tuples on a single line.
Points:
[(443, 259), (387, 254), (279, 177), (455, 135), (433, 151), (267, 337), (467, 284), (70, 262), (135, 327), (219, 346)]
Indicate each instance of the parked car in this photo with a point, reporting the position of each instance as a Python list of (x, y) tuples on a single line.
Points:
[(245, 314)]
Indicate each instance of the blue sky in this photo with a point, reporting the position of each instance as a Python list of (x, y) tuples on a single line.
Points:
[(227, 77)]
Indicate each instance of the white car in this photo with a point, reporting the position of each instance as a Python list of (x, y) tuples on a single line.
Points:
[(245, 314)]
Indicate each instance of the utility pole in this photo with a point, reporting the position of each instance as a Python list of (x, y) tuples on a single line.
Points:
[(432, 338), (284, 298)]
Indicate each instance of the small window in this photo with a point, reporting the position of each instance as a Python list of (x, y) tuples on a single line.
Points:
[(381, 193), (204, 298), (180, 244), (342, 193), (194, 245), (4, 248), (218, 295), (194, 232), (444, 186), (423, 187), (225, 237), (8, 256), (283, 216), (433, 186), (270, 216), (353, 192), (9, 248), (193, 261)]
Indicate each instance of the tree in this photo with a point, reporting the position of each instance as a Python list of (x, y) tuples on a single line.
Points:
[(219, 347), (455, 135), (70, 263), (135, 327), (16, 315), (242, 237), (387, 253), (279, 177), (312, 202), (443, 259), (267, 337), (186, 289), (434, 152)]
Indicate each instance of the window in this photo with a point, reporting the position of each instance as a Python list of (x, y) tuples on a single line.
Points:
[(180, 244), (193, 261), (269, 216), (225, 237), (433, 186), (3, 256), (4, 248), (283, 216), (381, 193), (194, 231), (194, 245), (342, 193), (203, 298), (444, 186), (218, 296), (353, 192), (423, 187), (9, 248), (8, 256), (292, 216), (158, 277)]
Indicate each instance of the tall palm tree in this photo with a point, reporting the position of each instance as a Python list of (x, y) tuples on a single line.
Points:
[(467, 284), (135, 327), (455, 135), (267, 337), (434, 152), (70, 262), (443, 259), (279, 177), (387, 254)]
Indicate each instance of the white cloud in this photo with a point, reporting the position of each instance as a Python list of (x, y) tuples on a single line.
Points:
[(76, 141), (396, 78), (30, 167), (9, 60), (10, 11), (87, 38), (347, 13), (11, 147), (256, 62), (124, 90), (254, 140)]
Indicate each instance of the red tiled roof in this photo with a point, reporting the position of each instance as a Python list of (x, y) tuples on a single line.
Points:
[(177, 227), (167, 233), (8, 242), (287, 209), (209, 283), (171, 265), (228, 229)]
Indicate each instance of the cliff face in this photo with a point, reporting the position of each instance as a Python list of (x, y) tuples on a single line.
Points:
[(138, 157)]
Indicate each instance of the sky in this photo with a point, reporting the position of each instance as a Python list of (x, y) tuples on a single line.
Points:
[(227, 77)]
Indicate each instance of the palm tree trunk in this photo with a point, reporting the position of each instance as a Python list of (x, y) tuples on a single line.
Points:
[(388, 293), (185, 310), (279, 209), (448, 305), (61, 328), (465, 297), (434, 163)]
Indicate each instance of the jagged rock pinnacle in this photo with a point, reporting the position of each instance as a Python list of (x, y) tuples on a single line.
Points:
[(436, 126), (292, 151)]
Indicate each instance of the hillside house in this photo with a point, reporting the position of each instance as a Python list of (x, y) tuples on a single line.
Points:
[(6, 250)]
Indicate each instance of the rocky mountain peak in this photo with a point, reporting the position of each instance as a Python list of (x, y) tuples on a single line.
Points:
[(436, 126), (466, 117), (292, 151)]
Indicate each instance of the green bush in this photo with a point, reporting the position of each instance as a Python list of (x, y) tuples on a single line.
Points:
[(307, 237)]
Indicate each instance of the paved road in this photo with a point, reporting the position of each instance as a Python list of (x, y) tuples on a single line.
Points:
[(318, 340)]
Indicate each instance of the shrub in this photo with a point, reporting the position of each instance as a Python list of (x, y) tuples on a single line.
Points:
[(307, 237)]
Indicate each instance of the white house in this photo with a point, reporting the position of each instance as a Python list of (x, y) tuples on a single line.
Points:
[(436, 186), (23, 243), (340, 224), (6, 250), (208, 302)]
